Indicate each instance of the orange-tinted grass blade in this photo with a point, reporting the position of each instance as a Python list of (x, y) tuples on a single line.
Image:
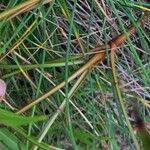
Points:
[(122, 37)]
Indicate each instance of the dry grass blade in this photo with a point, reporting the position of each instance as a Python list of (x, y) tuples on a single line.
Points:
[(26, 6), (113, 50), (19, 41), (61, 107), (101, 9)]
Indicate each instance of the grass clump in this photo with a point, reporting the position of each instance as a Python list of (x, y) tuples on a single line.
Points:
[(84, 65)]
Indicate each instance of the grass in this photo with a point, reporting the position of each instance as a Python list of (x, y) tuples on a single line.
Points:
[(70, 83)]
